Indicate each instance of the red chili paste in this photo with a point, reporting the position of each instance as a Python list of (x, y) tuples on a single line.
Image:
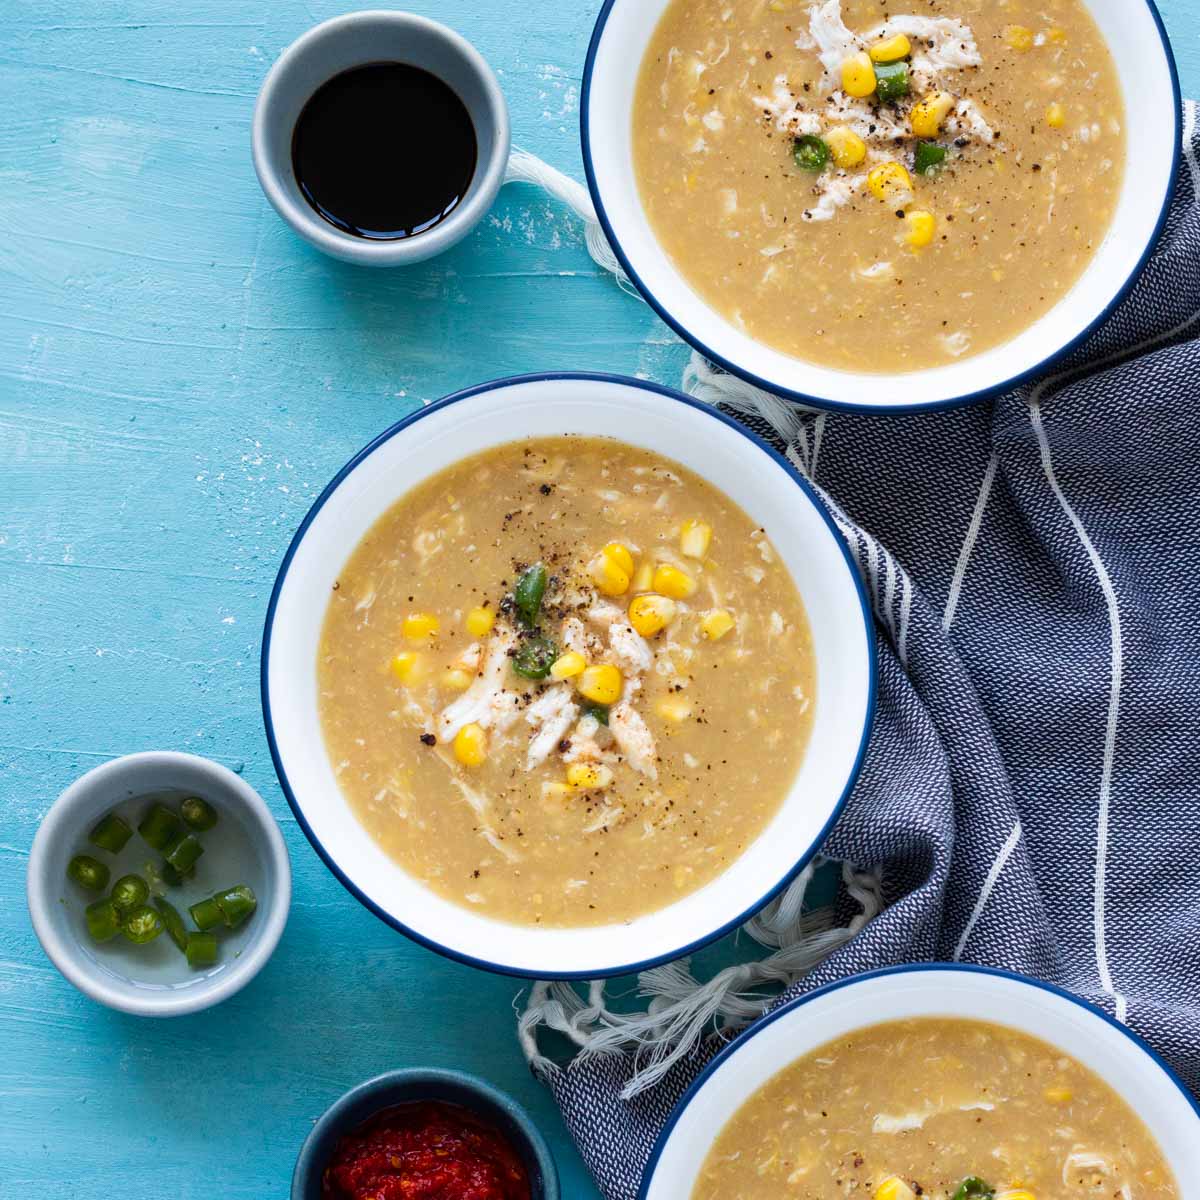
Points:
[(425, 1151)]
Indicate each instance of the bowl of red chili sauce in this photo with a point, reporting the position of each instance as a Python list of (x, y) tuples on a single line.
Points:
[(425, 1135)]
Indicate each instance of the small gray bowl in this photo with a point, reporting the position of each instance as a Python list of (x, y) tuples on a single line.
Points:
[(355, 40), (399, 1087), (153, 980)]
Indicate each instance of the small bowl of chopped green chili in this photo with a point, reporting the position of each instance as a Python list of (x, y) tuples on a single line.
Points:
[(159, 883)]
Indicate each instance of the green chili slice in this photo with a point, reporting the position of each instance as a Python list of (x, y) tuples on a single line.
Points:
[(173, 920), (183, 853), (201, 949), (160, 827), (810, 153), (129, 892), (206, 914), (111, 834), (174, 878), (927, 157), (534, 657), (599, 711), (88, 872), (103, 920), (527, 595), (198, 813), (891, 81), (235, 904), (973, 1188), (142, 925)]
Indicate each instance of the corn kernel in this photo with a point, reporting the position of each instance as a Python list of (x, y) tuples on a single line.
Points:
[(1056, 115), (891, 49), (643, 578), (920, 228), (847, 148), (671, 581), (716, 624), (1015, 1194), (890, 182), (620, 555), (421, 627), (927, 115), (567, 666), (1055, 34), (480, 622), (470, 745), (586, 777), (406, 666), (694, 538), (894, 1188), (608, 575), (1019, 37), (457, 680), (674, 709), (858, 75), (601, 683), (651, 614), (1058, 1094)]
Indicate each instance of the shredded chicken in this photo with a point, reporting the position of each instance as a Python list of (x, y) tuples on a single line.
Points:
[(573, 636), (630, 650), (834, 42), (633, 738), (585, 743), (551, 714), (485, 702), (940, 43)]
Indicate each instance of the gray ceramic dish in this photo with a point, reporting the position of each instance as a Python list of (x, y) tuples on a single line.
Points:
[(152, 981), (355, 40), (399, 1087)]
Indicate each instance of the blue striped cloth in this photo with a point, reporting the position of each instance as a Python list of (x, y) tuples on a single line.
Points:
[(1031, 789)]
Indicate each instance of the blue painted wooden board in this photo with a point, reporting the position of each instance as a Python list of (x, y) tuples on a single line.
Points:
[(179, 377)]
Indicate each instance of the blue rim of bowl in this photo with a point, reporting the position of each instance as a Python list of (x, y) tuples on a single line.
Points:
[(849, 405), (907, 969), (549, 972), (460, 1081)]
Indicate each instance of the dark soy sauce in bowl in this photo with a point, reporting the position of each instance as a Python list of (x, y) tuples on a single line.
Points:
[(384, 151)]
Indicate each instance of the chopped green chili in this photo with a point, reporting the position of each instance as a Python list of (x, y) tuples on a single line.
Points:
[(201, 949), (160, 827), (176, 929), (927, 157), (534, 657), (88, 872), (973, 1188), (174, 878), (103, 920), (810, 153), (183, 853), (129, 892), (142, 925), (236, 904), (599, 711), (527, 595), (198, 813), (111, 833), (206, 914), (891, 81)]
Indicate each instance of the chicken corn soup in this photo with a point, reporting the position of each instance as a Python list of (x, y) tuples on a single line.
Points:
[(876, 189), (565, 682), (941, 1109)]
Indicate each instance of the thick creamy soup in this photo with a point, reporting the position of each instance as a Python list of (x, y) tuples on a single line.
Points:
[(565, 682), (941, 1109), (879, 187)]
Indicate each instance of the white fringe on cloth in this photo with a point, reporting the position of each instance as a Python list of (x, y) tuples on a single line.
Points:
[(682, 1009)]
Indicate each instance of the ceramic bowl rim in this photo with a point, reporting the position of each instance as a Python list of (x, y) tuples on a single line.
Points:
[(805, 398), (879, 973), (461, 1081), (309, 224), (549, 971), (267, 838)]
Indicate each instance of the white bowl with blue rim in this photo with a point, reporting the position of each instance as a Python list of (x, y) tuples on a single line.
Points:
[(658, 420), (1106, 1047), (1150, 85)]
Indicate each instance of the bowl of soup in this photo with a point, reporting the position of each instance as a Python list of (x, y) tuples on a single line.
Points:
[(881, 207), (565, 675), (941, 1081)]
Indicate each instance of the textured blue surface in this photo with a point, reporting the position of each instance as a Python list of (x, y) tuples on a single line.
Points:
[(179, 376)]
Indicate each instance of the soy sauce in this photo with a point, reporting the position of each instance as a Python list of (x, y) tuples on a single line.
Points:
[(384, 151)]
